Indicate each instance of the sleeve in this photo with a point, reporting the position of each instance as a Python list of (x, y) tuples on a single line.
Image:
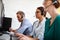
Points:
[(22, 29), (57, 29), (33, 34), (28, 31), (26, 28)]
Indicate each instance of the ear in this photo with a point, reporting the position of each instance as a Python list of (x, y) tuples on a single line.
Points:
[(21, 16)]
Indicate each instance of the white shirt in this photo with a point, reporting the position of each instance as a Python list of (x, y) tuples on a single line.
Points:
[(38, 29)]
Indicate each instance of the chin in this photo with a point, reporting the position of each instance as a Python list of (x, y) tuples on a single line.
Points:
[(37, 17), (19, 21)]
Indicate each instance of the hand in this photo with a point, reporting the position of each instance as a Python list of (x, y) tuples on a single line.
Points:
[(23, 37), (18, 34), (26, 38), (11, 30)]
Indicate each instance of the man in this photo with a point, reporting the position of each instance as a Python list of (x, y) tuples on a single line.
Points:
[(25, 27)]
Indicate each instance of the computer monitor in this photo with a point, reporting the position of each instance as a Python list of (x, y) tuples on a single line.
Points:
[(6, 24)]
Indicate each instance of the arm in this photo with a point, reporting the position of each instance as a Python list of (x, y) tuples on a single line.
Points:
[(11, 30), (23, 37), (28, 31), (57, 29), (27, 38)]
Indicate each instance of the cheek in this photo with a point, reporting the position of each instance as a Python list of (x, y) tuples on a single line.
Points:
[(46, 4), (18, 18), (38, 15)]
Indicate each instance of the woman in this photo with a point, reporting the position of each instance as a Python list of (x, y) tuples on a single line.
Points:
[(52, 28), (39, 25)]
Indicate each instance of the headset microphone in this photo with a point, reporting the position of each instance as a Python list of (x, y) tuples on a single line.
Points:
[(54, 2)]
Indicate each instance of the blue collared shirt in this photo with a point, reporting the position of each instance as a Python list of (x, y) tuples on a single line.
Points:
[(25, 28)]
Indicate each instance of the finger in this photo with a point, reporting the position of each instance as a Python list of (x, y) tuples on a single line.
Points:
[(19, 34), (21, 39)]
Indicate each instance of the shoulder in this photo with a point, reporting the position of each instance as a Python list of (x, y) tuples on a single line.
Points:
[(26, 21), (35, 22), (47, 20), (58, 18)]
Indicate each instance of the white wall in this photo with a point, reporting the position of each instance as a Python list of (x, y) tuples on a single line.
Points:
[(28, 6)]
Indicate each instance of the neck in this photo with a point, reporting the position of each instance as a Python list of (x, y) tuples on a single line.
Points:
[(21, 20), (53, 12), (40, 19)]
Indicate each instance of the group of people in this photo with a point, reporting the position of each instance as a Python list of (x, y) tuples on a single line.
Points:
[(42, 29)]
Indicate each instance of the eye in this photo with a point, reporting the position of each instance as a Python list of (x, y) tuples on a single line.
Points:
[(37, 11), (17, 16)]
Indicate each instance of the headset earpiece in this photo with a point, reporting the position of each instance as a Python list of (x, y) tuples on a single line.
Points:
[(55, 1), (21, 16)]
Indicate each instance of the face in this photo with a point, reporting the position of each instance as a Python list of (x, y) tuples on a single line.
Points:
[(19, 17), (38, 14), (47, 4)]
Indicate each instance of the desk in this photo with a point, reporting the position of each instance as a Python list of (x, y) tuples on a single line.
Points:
[(8, 36), (5, 36)]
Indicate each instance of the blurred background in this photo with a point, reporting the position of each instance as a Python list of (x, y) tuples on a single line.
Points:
[(27, 6)]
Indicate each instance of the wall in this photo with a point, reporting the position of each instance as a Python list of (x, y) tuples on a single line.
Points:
[(28, 6)]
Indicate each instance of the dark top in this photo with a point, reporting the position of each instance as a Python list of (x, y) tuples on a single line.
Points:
[(52, 32)]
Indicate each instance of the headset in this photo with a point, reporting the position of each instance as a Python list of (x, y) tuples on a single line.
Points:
[(54, 2), (22, 16), (42, 12)]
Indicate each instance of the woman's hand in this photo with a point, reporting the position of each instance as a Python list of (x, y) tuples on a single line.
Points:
[(24, 37), (27, 38), (21, 36)]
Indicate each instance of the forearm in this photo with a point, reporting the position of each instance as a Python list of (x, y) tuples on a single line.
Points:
[(36, 39), (33, 38)]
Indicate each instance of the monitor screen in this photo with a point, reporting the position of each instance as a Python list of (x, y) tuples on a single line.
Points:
[(6, 24)]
